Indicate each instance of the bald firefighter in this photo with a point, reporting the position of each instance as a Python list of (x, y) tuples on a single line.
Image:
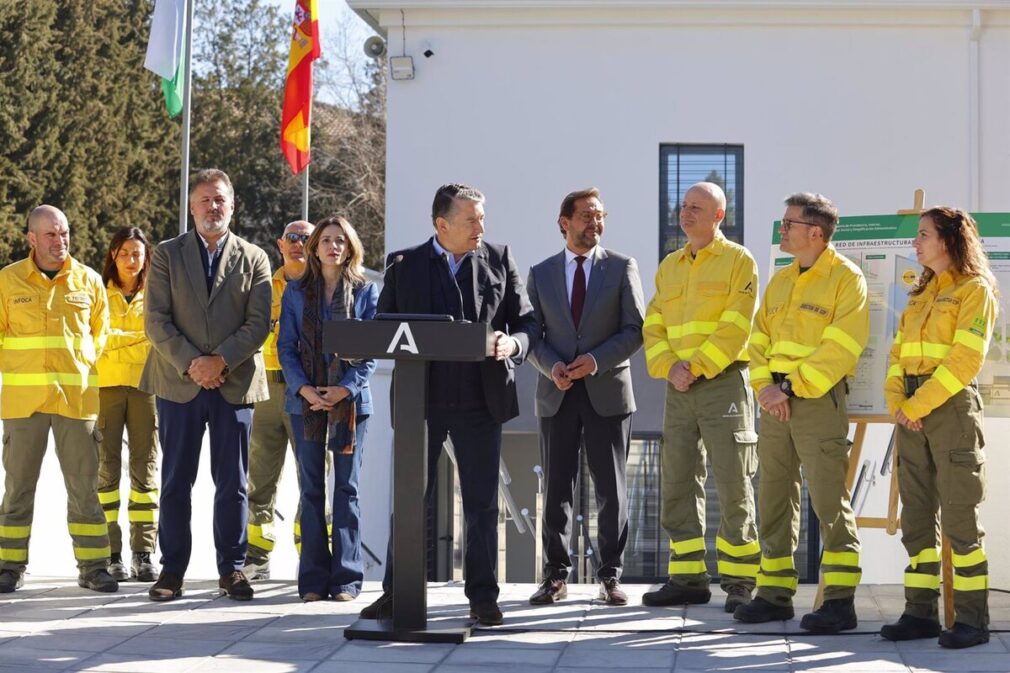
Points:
[(696, 330), (53, 323)]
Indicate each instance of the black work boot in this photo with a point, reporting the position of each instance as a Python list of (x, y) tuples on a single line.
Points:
[(910, 628), (143, 569), (673, 594), (962, 635), (256, 569), (117, 569), (759, 610), (736, 596), (98, 579), (11, 580), (837, 614)]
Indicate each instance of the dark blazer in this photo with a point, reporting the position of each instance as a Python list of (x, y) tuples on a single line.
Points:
[(183, 321), (610, 330), (501, 300)]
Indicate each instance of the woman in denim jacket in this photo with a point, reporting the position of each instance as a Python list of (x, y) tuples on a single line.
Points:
[(329, 402)]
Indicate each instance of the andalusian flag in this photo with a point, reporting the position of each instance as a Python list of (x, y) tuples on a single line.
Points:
[(297, 113), (166, 55)]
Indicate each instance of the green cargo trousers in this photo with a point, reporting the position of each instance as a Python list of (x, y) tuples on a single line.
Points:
[(942, 469), (24, 445), (127, 408), (268, 446), (816, 439), (714, 417)]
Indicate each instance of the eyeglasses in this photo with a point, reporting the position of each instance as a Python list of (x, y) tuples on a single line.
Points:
[(591, 217), (787, 224), (296, 238)]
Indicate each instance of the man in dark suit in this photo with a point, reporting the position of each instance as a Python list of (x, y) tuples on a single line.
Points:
[(589, 309), (458, 274), (207, 315)]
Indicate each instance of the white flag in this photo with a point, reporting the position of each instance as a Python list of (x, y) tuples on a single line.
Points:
[(168, 30)]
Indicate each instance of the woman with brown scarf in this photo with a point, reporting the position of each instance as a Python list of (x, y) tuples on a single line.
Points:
[(329, 402)]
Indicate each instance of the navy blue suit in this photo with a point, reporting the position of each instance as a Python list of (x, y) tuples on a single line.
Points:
[(467, 402)]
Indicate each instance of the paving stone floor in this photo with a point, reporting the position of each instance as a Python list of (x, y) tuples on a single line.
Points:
[(52, 625)]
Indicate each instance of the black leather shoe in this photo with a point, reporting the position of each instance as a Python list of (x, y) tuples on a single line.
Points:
[(736, 596), (142, 568), (117, 569), (98, 580), (381, 608), (962, 635), (549, 592), (671, 594), (235, 586), (838, 614), (910, 628), (168, 587), (612, 593), (11, 580), (486, 613), (759, 611)]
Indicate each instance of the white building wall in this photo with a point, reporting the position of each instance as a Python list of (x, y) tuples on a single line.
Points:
[(530, 100)]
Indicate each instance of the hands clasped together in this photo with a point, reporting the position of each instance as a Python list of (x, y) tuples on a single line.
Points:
[(774, 401), (564, 375), (208, 371), (323, 398)]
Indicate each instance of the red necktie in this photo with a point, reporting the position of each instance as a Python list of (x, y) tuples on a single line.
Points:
[(578, 290)]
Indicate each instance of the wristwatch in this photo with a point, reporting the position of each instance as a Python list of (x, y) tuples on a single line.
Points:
[(787, 387)]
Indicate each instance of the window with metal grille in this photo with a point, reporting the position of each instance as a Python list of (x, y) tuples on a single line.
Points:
[(682, 165)]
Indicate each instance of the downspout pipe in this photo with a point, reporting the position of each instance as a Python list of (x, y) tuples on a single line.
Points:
[(974, 111)]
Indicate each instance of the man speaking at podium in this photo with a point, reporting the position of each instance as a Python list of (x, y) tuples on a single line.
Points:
[(456, 273)]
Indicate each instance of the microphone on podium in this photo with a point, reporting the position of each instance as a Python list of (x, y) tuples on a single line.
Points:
[(396, 260)]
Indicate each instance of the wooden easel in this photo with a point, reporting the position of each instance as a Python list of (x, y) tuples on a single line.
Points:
[(891, 522)]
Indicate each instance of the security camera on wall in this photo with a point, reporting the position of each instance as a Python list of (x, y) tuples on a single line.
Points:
[(375, 47)]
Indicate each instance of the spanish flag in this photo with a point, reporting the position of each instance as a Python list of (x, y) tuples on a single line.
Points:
[(297, 113)]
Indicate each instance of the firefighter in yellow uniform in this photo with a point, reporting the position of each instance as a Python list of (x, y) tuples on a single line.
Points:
[(123, 406), (271, 430), (53, 323), (931, 391), (810, 331), (695, 332)]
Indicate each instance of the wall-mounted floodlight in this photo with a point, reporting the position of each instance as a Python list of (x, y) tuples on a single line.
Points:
[(401, 67)]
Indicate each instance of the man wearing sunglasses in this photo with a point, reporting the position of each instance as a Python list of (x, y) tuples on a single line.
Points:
[(271, 430), (810, 330)]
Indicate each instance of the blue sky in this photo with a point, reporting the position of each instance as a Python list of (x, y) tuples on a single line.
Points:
[(331, 13), (335, 17)]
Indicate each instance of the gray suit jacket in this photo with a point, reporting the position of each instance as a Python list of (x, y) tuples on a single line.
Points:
[(610, 330), (183, 322)]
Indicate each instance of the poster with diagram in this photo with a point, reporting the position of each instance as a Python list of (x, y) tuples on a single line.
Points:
[(881, 245)]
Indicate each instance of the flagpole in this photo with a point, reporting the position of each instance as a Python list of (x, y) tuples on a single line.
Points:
[(305, 193), (186, 105), (305, 176)]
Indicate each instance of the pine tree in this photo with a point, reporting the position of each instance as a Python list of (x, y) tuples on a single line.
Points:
[(89, 134), (83, 125)]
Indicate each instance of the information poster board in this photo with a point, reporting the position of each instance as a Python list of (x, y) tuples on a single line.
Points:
[(881, 245)]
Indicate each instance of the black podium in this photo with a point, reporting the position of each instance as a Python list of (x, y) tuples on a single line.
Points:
[(412, 341)]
